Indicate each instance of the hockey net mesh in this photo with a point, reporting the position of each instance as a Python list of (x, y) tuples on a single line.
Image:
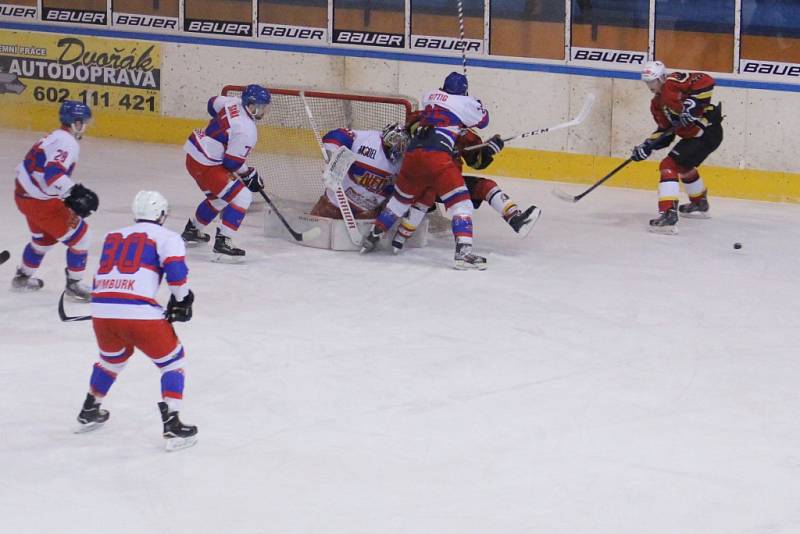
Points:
[(288, 156)]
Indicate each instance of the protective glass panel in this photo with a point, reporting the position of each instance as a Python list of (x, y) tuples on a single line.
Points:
[(77, 5), (618, 25), (771, 30), (308, 13), (220, 10), (440, 17), (695, 35), (26, 3), (528, 28), (387, 16), (163, 8)]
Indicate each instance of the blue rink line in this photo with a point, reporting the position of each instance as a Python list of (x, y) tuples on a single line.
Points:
[(502, 64)]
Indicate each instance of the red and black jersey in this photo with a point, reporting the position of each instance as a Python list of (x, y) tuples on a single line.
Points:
[(693, 88)]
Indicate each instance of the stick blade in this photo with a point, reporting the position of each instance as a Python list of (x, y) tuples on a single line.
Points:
[(566, 197)]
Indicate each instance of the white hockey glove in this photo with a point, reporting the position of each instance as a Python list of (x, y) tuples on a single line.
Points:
[(337, 168)]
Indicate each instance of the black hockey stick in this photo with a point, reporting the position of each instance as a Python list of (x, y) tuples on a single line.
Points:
[(298, 236), (570, 198), (4, 256), (574, 198), (66, 318)]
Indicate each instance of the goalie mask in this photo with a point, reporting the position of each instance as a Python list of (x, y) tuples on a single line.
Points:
[(395, 141)]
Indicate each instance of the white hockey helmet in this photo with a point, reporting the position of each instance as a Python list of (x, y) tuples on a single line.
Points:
[(150, 206), (654, 74), (395, 141)]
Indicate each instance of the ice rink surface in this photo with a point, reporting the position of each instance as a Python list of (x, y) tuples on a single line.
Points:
[(595, 379)]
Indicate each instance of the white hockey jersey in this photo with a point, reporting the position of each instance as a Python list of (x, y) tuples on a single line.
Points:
[(369, 180), (450, 115), (48, 166), (229, 137), (133, 261)]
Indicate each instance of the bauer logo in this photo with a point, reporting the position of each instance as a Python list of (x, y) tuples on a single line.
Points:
[(283, 32), (239, 29), (620, 58), (145, 21), (389, 40), (74, 16), (446, 44), (17, 12), (769, 68)]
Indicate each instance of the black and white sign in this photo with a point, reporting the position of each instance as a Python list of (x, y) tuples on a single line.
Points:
[(215, 27), (284, 32), (353, 37), (147, 22), (446, 44), (18, 12), (598, 57), (74, 16), (771, 69)]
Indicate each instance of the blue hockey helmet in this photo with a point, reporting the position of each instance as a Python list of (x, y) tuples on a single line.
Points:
[(75, 115), (455, 84), (255, 100)]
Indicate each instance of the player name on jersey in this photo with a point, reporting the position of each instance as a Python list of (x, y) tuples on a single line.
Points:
[(18, 12), (150, 22), (786, 71), (79, 16), (284, 32), (446, 44), (216, 27), (609, 58), (352, 37)]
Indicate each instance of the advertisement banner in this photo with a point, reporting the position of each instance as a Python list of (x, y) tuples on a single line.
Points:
[(296, 34), (104, 73), (74, 16), (18, 12), (134, 21), (601, 57)]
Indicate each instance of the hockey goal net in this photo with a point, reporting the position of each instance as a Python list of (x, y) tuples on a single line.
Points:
[(288, 156)]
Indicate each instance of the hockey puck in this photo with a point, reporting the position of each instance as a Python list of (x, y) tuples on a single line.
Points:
[(737, 246)]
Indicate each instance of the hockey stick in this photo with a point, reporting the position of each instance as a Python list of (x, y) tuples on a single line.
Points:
[(574, 198), (4, 256), (461, 36), (587, 108), (66, 318), (308, 235), (341, 198)]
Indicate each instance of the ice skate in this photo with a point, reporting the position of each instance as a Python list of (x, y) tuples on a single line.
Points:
[(193, 236), (398, 242), (522, 221), (76, 290), (465, 260), (23, 283), (225, 251), (370, 240), (178, 435), (696, 209), (92, 416), (665, 223)]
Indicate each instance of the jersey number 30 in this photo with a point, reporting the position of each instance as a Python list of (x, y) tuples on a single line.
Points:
[(123, 252)]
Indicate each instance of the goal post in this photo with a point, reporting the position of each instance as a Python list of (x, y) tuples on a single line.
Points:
[(287, 155)]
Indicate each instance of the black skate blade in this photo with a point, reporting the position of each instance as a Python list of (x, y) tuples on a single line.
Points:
[(696, 215), (664, 230), (177, 444), (227, 258), (83, 428)]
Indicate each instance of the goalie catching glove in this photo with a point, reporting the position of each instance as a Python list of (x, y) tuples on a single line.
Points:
[(179, 311), (82, 200), (252, 180)]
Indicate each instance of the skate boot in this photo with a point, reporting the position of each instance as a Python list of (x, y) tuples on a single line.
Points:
[(370, 240), (466, 260), (23, 283), (398, 242), (193, 236), (92, 416), (76, 290), (178, 435), (522, 221), (666, 223), (696, 209), (226, 251)]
